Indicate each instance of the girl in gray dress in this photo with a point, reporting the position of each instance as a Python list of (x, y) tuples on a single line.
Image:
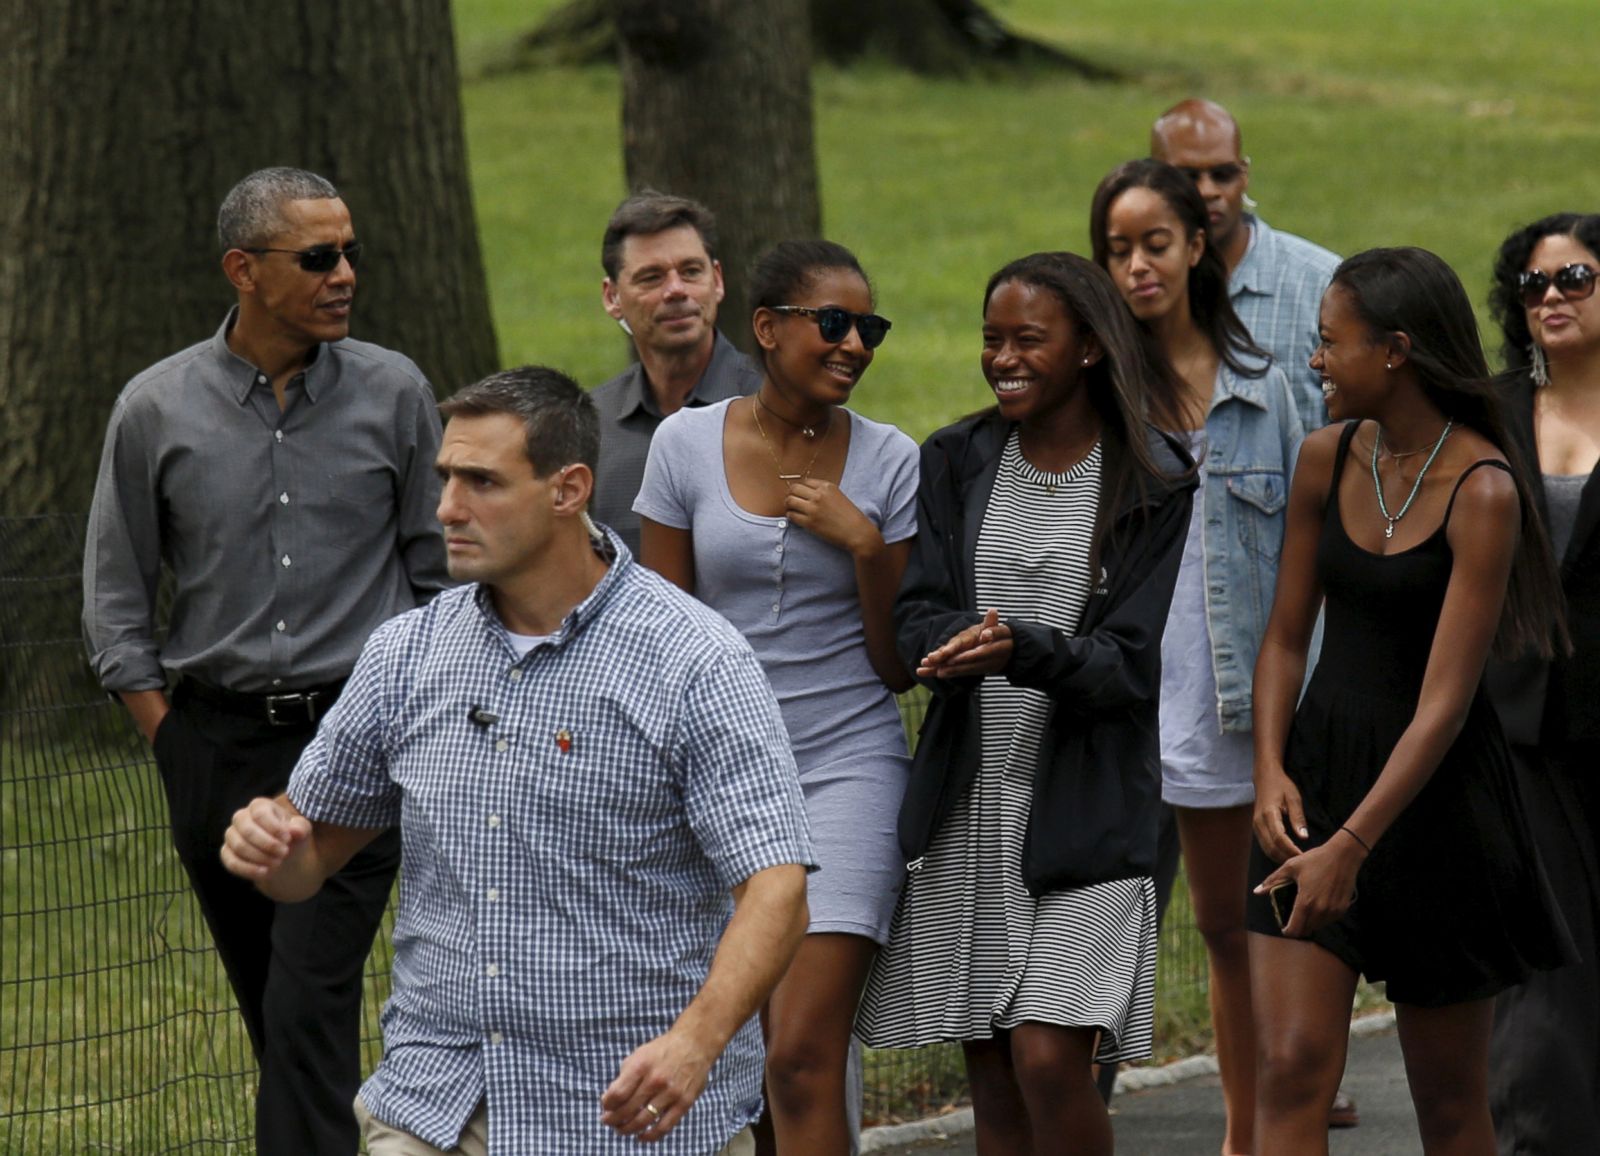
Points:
[(792, 517)]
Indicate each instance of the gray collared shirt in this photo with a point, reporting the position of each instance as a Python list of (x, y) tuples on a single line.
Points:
[(290, 535), (628, 420)]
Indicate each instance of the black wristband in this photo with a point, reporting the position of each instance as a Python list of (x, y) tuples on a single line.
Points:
[(1358, 839)]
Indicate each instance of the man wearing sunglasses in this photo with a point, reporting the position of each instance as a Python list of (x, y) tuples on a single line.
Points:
[(663, 284), (1275, 279), (283, 474)]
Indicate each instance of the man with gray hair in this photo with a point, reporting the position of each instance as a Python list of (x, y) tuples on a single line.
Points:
[(283, 474), (663, 284)]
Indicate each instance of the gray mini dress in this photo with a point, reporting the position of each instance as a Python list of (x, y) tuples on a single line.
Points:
[(794, 598)]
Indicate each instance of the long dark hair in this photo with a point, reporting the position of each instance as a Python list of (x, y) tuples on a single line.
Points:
[(1505, 299), (1208, 278), (1412, 291), (1130, 385)]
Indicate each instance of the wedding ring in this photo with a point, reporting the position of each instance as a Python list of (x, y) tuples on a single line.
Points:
[(653, 1110)]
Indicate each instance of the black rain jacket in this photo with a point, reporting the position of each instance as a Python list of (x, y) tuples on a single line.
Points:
[(1097, 786)]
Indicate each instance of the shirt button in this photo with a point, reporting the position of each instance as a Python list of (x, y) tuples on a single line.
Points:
[(277, 682), (494, 820), (496, 1038), (492, 970), (278, 433), (516, 674), (780, 547), (261, 379), (774, 607), (285, 561), (783, 523), (282, 626), (283, 498), (492, 894), (502, 746)]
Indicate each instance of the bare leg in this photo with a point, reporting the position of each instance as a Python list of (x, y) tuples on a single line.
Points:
[(999, 1112), (1302, 997), (1447, 1066), (1054, 1070), (1216, 858), (808, 1039)]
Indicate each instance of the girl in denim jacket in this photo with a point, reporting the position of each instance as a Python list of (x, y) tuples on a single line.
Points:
[(1148, 227)]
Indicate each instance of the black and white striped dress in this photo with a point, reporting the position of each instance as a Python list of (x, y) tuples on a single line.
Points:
[(970, 951)]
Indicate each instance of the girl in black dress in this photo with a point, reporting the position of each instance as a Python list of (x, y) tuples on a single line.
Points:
[(1391, 836), (1544, 1085)]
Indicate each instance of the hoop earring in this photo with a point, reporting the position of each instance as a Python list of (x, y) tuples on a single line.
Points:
[(1539, 367)]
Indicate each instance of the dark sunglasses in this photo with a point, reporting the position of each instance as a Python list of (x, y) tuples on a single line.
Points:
[(834, 323), (1574, 282), (1219, 174), (322, 258)]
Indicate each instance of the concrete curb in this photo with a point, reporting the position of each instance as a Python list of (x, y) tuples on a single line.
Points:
[(960, 1122)]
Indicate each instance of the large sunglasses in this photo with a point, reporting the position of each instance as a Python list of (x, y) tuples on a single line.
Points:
[(1574, 282), (321, 258), (1224, 174), (834, 323)]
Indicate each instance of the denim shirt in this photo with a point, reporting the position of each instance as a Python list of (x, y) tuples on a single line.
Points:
[(1253, 432)]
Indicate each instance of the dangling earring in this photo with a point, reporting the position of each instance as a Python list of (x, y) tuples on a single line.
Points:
[(1540, 367)]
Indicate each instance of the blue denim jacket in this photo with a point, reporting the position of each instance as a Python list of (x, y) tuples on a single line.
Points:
[(1253, 433)]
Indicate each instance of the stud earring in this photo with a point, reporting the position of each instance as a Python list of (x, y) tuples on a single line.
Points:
[(1388, 365), (1085, 361)]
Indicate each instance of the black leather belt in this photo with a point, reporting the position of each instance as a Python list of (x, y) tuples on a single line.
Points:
[(290, 708)]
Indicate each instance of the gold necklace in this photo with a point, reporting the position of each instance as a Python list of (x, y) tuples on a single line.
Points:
[(809, 430), (787, 479)]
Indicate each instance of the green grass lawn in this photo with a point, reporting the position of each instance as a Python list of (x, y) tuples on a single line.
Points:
[(1442, 124)]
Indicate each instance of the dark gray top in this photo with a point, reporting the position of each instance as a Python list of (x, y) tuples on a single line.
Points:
[(1562, 492), (290, 535), (628, 420)]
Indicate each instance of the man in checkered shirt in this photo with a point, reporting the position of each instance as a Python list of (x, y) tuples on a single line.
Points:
[(604, 840), (1275, 279)]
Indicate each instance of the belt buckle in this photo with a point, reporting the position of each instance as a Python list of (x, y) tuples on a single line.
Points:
[(305, 702)]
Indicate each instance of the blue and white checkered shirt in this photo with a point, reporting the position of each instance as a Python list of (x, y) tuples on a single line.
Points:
[(573, 822), (1277, 291)]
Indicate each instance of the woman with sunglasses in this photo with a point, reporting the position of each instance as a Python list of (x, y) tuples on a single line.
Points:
[(1391, 836), (1051, 526), (1148, 226), (792, 516), (1545, 1059)]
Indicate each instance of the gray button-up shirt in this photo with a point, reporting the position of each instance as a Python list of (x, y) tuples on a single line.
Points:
[(290, 535), (628, 420)]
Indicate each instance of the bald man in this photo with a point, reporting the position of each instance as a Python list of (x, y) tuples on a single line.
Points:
[(1275, 279)]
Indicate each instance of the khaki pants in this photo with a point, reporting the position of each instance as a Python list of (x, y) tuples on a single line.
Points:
[(383, 1140)]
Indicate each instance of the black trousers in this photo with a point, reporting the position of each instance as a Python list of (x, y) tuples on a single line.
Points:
[(1544, 1058), (296, 968)]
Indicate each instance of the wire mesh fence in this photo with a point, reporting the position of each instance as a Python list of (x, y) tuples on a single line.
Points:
[(117, 1027)]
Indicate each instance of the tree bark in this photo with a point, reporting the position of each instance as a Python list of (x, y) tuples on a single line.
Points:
[(124, 127), (716, 105), (933, 37)]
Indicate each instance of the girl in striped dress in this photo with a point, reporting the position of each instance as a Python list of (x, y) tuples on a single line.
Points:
[(1050, 529)]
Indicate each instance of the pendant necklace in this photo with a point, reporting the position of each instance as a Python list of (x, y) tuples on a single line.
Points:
[(810, 431), (788, 479), (1377, 483)]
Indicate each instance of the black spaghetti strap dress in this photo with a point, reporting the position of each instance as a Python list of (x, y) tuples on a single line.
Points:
[(1452, 904)]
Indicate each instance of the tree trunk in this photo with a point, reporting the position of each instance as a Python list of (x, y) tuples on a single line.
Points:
[(934, 37), (124, 127), (716, 105)]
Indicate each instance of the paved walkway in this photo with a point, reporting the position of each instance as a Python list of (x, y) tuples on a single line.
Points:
[(1186, 1119)]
